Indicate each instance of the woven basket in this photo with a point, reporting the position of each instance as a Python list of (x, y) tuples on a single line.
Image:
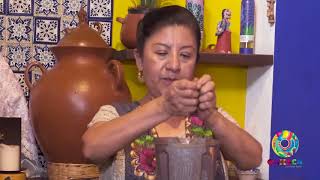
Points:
[(63, 171)]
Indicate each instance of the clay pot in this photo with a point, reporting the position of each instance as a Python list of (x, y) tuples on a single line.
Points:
[(129, 27), (186, 159), (66, 98)]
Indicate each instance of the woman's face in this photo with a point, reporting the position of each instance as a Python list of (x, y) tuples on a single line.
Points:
[(169, 54)]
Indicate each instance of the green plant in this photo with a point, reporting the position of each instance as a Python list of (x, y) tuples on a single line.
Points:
[(144, 3)]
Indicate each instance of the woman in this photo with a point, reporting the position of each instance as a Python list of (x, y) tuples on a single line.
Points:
[(168, 41)]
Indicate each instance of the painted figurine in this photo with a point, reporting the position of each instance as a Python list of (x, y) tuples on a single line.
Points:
[(224, 35), (270, 11)]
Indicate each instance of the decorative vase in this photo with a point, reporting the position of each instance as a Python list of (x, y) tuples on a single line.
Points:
[(66, 98), (196, 7)]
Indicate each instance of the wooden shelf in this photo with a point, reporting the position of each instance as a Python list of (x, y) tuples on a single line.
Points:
[(213, 58)]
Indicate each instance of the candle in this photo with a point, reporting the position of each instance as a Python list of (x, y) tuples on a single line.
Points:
[(9, 157), (196, 8)]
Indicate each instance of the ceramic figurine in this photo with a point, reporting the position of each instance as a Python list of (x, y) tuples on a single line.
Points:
[(224, 34), (270, 11)]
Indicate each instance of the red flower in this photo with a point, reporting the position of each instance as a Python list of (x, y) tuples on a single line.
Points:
[(147, 160), (196, 121)]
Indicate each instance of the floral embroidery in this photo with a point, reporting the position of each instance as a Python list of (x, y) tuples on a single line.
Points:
[(143, 149), (144, 157), (197, 129)]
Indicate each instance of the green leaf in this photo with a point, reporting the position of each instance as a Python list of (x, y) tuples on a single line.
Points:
[(139, 141), (197, 131), (208, 133), (149, 139)]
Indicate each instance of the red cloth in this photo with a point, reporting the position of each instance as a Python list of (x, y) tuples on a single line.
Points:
[(224, 43)]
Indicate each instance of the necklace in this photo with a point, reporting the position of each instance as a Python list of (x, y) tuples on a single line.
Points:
[(143, 148)]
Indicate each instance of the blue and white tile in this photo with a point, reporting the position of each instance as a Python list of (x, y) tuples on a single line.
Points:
[(68, 22), (44, 55), (46, 7), (2, 28), (46, 30), (100, 9), (19, 29), (106, 33), (21, 79), (18, 56), (2, 6), (20, 7), (72, 7)]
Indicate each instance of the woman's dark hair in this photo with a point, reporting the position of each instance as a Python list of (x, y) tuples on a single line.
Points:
[(162, 17), (223, 12)]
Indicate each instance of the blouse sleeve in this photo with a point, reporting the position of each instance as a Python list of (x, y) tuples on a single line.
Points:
[(117, 169), (105, 113), (227, 116)]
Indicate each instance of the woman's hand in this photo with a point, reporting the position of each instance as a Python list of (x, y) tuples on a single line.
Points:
[(181, 98), (207, 97)]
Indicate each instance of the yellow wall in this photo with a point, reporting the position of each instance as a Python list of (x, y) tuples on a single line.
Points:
[(230, 81)]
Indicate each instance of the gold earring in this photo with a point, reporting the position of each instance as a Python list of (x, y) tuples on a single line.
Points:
[(140, 77), (1, 136)]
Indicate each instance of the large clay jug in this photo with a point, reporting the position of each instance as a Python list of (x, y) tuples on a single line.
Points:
[(66, 98), (129, 27), (186, 159)]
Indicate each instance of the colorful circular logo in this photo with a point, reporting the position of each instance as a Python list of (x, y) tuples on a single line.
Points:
[(285, 144)]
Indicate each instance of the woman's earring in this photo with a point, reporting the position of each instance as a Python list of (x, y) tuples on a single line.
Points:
[(140, 77)]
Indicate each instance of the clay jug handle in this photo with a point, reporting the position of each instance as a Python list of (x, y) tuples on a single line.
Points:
[(211, 45), (99, 27), (28, 68), (67, 31), (116, 70), (120, 20)]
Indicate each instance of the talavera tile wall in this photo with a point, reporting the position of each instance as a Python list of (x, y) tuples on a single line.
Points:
[(29, 27)]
